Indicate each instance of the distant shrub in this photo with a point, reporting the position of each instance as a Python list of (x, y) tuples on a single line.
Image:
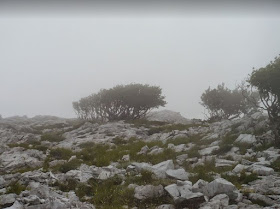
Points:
[(52, 137), (223, 103), (122, 102)]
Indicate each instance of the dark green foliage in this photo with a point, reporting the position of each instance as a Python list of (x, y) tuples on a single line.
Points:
[(122, 102), (276, 165), (71, 165), (267, 82), (145, 123), (61, 153), (243, 179), (30, 145), (223, 103), (15, 187), (52, 137)]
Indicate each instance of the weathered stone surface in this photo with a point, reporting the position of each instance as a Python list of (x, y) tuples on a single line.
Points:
[(7, 200), (148, 192), (246, 138), (166, 206), (261, 170), (180, 174), (199, 185), (219, 186), (208, 150), (239, 168)]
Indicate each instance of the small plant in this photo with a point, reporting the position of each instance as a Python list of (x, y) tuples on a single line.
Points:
[(244, 178), (52, 137), (15, 187), (276, 165), (61, 153), (71, 165)]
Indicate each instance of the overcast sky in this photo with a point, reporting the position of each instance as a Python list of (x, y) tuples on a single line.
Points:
[(49, 58)]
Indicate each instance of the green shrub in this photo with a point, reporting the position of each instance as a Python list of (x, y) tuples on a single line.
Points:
[(52, 137), (276, 165), (15, 187), (71, 165), (61, 153)]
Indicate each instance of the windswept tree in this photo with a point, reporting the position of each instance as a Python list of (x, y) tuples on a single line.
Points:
[(267, 82), (223, 103), (121, 102)]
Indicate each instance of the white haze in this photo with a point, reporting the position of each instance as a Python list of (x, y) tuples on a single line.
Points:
[(47, 62)]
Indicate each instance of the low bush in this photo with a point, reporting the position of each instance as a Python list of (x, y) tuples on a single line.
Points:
[(15, 187), (61, 153), (52, 137)]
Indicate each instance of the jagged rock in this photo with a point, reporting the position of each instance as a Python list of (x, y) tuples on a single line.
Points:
[(165, 206), (144, 150), (126, 158), (261, 170), (155, 150), (224, 163), (180, 174), (16, 205), (208, 150), (183, 196), (7, 200), (220, 186), (246, 138), (260, 197), (217, 202), (239, 168), (2, 182), (148, 192), (178, 148), (160, 169), (199, 186), (167, 116), (17, 158)]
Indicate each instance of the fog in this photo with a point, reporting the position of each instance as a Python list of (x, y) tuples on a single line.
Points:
[(50, 59)]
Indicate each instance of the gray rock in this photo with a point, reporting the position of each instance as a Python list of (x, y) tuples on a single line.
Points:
[(208, 150), (220, 186), (260, 197), (165, 206), (7, 200), (180, 174), (148, 192), (199, 185), (261, 170), (246, 138), (239, 168)]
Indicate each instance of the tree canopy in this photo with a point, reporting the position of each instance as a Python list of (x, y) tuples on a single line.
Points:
[(267, 82), (121, 102), (223, 103)]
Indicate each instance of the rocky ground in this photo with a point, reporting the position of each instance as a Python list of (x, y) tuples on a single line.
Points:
[(49, 162)]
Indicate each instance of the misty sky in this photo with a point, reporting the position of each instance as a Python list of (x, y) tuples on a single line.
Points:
[(49, 61)]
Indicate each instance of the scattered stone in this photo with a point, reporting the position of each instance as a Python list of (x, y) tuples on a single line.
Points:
[(246, 138), (148, 192), (180, 174)]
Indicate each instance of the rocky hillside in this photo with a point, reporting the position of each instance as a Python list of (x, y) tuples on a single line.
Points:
[(49, 162)]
